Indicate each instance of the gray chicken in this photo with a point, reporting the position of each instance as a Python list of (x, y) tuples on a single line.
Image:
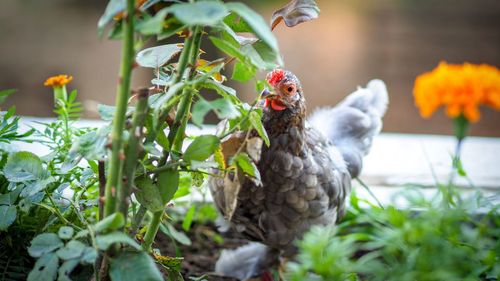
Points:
[(306, 171)]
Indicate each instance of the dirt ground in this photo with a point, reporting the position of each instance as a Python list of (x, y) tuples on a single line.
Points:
[(200, 257)]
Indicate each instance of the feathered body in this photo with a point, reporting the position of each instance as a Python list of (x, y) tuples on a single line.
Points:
[(307, 169)]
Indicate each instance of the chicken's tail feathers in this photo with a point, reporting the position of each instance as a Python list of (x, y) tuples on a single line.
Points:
[(244, 262), (352, 124)]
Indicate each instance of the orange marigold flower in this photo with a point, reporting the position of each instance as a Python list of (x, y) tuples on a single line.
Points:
[(459, 88), (58, 81)]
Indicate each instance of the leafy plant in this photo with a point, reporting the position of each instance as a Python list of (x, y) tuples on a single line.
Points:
[(426, 241)]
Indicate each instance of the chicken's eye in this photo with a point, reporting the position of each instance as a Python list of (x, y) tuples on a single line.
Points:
[(289, 89)]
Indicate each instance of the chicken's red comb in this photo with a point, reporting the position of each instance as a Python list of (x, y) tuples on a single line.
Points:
[(275, 76)]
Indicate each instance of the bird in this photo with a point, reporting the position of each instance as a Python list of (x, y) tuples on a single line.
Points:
[(306, 171)]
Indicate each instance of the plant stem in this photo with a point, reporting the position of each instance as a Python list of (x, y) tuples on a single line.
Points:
[(115, 163), (132, 150), (153, 227), (176, 134)]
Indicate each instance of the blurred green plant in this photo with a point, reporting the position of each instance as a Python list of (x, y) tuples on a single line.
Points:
[(424, 241)]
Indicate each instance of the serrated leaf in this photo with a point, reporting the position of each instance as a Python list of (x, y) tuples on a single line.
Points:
[(45, 268), (8, 215), (73, 249), (132, 266), (200, 13), (295, 12), (201, 148), (66, 232), (110, 223), (256, 23), (158, 56), (104, 241), (23, 166), (44, 243)]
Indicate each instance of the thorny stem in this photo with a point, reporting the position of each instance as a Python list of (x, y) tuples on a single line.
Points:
[(176, 134), (115, 164), (132, 151), (153, 227), (102, 187)]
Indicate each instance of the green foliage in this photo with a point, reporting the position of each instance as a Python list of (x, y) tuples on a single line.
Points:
[(425, 241)]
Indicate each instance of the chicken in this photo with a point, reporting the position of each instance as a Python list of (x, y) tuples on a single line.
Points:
[(306, 171)]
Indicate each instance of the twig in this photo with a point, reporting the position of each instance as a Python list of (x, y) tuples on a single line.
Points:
[(102, 187), (113, 183)]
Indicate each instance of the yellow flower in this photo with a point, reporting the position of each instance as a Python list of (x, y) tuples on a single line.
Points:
[(58, 81), (459, 88)]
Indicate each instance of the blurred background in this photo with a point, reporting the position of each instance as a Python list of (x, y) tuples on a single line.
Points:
[(352, 42)]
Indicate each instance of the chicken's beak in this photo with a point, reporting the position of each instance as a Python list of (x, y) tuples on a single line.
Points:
[(265, 94)]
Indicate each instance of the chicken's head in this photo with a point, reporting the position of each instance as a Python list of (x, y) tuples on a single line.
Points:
[(286, 93)]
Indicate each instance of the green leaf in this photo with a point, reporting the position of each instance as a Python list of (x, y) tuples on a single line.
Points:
[(256, 121), (236, 23), (149, 195), (188, 218), (224, 109), (66, 232), (201, 148), (107, 112), (158, 56), (153, 25), (227, 48), (224, 91), (200, 109), (44, 243), (23, 166), (11, 197), (178, 236), (8, 215), (5, 93), (243, 72), (65, 270), (256, 23), (45, 268), (132, 266), (247, 165), (168, 183), (36, 186), (89, 255), (112, 9), (200, 13), (104, 241), (73, 249), (111, 222)]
